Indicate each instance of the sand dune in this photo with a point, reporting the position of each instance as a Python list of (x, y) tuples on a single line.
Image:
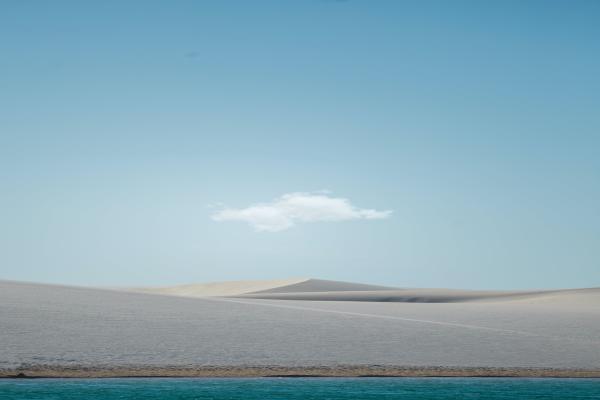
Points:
[(435, 296), (230, 288), (326, 290), (406, 295), (321, 285), (235, 288), (58, 328)]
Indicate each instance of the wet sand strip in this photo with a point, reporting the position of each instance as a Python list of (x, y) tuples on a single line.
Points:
[(47, 371)]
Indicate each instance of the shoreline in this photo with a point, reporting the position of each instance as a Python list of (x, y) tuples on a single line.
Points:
[(341, 371)]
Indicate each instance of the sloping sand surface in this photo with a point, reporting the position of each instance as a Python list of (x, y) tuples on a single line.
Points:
[(325, 290), (321, 285), (231, 288), (426, 295), (57, 328)]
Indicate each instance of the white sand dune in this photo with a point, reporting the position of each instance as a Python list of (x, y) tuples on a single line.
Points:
[(229, 288), (402, 295), (327, 290), (321, 285), (70, 326), (432, 295)]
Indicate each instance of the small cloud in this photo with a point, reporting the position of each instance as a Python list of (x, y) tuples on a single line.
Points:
[(292, 208)]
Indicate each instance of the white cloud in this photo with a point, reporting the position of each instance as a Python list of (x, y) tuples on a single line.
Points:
[(292, 208)]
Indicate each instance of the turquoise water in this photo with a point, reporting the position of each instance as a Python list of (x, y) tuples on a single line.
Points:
[(300, 388)]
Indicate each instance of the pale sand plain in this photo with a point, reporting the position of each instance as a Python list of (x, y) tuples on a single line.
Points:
[(296, 327)]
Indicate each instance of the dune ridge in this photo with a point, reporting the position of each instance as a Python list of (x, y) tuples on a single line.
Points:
[(326, 290), (227, 288), (237, 288), (322, 285), (428, 295)]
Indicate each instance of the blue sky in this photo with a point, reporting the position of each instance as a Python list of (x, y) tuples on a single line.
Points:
[(123, 124)]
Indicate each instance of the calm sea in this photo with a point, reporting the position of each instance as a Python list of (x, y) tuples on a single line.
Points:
[(300, 388)]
